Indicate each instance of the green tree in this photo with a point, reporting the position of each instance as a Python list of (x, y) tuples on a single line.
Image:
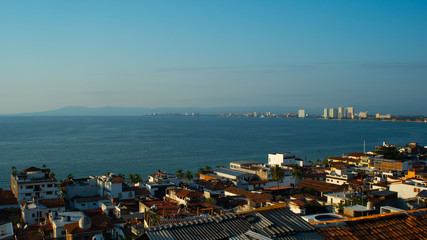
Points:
[(70, 176), (14, 171), (188, 176), (199, 171), (297, 172), (314, 207), (325, 162), (390, 153), (180, 173), (208, 168), (134, 178), (52, 175), (277, 174)]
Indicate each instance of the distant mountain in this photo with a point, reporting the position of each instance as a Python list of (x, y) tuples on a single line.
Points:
[(125, 111)]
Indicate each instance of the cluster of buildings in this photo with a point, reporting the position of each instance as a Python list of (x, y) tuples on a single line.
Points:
[(284, 197), (339, 113)]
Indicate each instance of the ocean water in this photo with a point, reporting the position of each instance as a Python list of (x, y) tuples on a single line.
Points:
[(87, 146)]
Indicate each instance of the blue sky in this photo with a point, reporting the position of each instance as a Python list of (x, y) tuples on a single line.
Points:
[(371, 54)]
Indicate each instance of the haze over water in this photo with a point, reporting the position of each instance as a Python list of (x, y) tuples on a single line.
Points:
[(87, 146)]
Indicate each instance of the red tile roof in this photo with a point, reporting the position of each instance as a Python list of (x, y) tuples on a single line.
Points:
[(400, 225), (7, 198), (187, 193), (321, 186), (257, 198)]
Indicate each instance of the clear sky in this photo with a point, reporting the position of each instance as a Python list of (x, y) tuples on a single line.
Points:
[(213, 54)]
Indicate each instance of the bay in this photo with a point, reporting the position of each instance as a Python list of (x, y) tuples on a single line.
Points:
[(87, 146)]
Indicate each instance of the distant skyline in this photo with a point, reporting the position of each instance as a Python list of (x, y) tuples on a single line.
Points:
[(304, 54)]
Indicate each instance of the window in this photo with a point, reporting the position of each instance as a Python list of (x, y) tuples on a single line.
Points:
[(34, 215), (49, 193), (63, 232), (49, 185), (415, 189), (94, 204), (42, 185), (28, 194), (83, 204), (29, 187)]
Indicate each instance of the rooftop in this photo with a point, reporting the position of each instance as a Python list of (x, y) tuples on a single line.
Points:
[(399, 225), (321, 186)]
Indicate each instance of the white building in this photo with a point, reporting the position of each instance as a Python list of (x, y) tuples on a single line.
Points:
[(33, 183), (340, 113), (35, 211), (350, 112), (301, 113), (86, 187), (59, 219), (333, 113), (6, 231), (409, 188), (88, 203), (284, 159), (113, 186), (325, 113), (363, 114), (339, 177)]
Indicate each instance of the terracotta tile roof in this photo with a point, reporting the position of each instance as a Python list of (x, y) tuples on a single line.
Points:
[(216, 185), (187, 193), (117, 180), (304, 196), (400, 225), (53, 203), (321, 186), (299, 203), (141, 191), (356, 154), (278, 188), (7, 198), (257, 198)]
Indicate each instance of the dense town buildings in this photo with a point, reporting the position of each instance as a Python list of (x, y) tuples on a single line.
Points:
[(237, 202)]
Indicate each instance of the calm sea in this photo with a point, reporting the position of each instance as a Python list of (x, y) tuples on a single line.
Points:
[(87, 146)]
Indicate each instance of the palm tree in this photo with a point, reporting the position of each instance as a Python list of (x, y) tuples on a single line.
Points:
[(325, 162), (14, 171), (277, 174), (297, 172), (70, 176), (208, 168), (52, 175), (180, 173), (188, 176), (199, 171)]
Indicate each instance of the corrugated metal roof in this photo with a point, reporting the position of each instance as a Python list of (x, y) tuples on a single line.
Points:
[(280, 222), (276, 223)]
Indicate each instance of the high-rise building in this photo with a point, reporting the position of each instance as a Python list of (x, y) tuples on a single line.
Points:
[(325, 113), (350, 112), (340, 113), (301, 113), (332, 112)]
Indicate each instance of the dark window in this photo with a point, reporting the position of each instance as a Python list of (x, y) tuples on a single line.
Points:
[(29, 187), (28, 194), (49, 193), (83, 204), (63, 232), (94, 204), (49, 185)]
